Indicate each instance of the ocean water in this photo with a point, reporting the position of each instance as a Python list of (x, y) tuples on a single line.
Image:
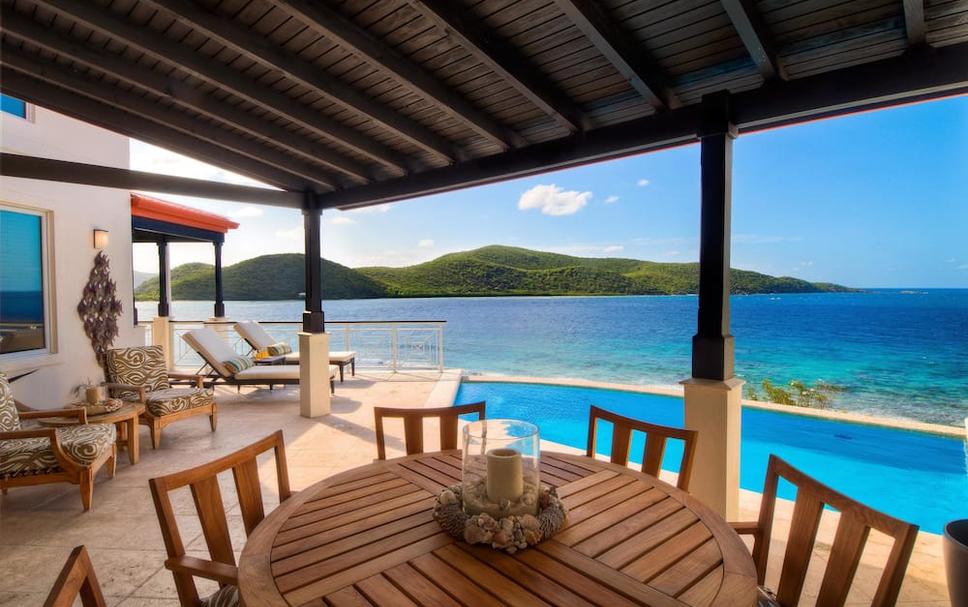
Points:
[(915, 476), (899, 353)]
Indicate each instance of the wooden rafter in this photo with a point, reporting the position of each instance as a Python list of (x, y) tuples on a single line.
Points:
[(170, 52), (258, 49), (752, 31), (910, 77), (119, 120), (56, 75), (644, 75), (47, 169), (914, 22), (502, 58), (351, 37)]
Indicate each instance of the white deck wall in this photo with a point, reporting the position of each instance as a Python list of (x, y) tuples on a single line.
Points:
[(76, 211)]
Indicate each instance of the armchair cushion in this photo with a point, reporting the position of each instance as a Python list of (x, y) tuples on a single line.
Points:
[(140, 366), (9, 418), (28, 456), (159, 403), (227, 596)]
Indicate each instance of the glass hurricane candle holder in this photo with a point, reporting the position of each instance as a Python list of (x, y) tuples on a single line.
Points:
[(500, 468)]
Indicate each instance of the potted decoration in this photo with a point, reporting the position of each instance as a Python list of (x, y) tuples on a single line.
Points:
[(956, 560), (90, 392)]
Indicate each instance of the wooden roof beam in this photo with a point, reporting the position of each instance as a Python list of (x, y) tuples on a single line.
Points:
[(116, 119), (506, 61), (170, 52), (914, 23), (911, 77), (628, 57), (752, 31), (59, 76), (46, 169), (344, 32), (260, 50), (18, 26)]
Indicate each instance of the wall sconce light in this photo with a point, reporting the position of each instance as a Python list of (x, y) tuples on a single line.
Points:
[(100, 239)]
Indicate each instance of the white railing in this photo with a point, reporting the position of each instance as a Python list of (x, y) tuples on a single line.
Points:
[(386, 345)]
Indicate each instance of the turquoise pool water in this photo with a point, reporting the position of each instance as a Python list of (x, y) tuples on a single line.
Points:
[(915, 476)]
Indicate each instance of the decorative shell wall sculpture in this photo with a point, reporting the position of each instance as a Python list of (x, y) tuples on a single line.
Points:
[(100, 308)]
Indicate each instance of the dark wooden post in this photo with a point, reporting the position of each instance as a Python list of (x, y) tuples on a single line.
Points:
[(313, 318), (219, 292), (164, 279), (712, 347)]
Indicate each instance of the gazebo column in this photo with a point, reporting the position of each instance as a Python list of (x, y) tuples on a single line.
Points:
[(160, 326), (314, 396), (219, 291), (713, 394)]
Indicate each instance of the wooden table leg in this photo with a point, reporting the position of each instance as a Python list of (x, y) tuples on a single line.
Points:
[(134, 452)]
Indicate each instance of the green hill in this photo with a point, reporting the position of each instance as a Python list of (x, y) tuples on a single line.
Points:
[(493, 270)]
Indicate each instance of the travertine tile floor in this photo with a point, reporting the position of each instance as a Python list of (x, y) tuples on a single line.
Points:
[(40, 525)]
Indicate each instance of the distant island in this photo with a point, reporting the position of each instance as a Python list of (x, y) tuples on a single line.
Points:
[(489, 271)]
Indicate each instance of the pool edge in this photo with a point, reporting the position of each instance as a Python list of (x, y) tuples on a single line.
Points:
[(662, 390)]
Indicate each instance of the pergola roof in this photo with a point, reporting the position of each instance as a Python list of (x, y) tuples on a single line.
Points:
[(361, 101)]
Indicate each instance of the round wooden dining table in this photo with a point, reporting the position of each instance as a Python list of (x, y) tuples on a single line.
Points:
[(367, 537)]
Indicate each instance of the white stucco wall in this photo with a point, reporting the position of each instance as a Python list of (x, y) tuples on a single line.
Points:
[(75, 212)]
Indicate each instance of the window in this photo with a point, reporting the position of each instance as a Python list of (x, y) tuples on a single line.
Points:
[(12, 105), (24, 325)]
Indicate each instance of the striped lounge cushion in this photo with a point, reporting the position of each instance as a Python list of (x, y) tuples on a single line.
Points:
[(238, 363), (279, 348)]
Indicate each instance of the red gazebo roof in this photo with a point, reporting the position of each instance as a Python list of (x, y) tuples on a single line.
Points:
[(170, 212)]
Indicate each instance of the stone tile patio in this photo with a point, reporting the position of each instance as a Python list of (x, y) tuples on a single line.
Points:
[(40, 525)]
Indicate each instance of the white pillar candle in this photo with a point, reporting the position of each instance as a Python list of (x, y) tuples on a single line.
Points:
[(505, 475)]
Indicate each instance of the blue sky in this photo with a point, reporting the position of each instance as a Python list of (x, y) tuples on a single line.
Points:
[(872, 200)]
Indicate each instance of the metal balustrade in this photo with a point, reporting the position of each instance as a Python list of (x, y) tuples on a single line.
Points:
[(383, 345)]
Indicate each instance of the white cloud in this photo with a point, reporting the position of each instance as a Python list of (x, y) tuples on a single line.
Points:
[(249, 210), (379, 208), (583, 249), (426, 243), (963, 266), (611, 199), (615, 248), (642, 183), (554, 201), (806, 264), (296, 233), (951, 260), (342, 220)]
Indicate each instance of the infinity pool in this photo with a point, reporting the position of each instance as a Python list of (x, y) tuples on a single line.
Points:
[(915, 476)]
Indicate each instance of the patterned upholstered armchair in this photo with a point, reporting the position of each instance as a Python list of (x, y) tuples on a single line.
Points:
[(36, 456), (141, 374)]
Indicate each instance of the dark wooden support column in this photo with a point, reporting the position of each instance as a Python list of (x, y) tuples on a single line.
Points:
[(219, 291), (164, 279), (313, 319), (712, 347)]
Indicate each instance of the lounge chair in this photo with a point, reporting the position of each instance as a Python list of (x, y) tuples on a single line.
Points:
[(37, 456), (226, 366), (141, 374), (259, 339)]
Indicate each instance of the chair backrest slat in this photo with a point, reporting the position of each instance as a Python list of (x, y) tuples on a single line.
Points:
[(204, 484), (76, 579), (249, 490), (413, 425), (853, 529), (211, 513), (845, 554), (655, 443), (803, 534)]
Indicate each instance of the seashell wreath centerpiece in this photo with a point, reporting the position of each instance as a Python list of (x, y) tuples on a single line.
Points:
[(500, 500)]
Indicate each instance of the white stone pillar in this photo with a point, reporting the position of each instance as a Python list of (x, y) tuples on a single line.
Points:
[(161, 336), (314, 395), (713, 408)]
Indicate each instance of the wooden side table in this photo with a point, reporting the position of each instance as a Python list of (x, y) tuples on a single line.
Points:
[(124, 419)]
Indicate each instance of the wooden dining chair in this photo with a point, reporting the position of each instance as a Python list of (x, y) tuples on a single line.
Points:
[(655, 443), (413, 425), (76, 579), (856, 521), (204, 484)]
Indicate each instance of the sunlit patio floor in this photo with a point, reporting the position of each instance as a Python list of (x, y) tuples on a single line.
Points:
[(40, 525)]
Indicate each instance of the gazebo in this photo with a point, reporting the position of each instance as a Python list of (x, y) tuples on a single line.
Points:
[(348, 104), (162, 222)]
